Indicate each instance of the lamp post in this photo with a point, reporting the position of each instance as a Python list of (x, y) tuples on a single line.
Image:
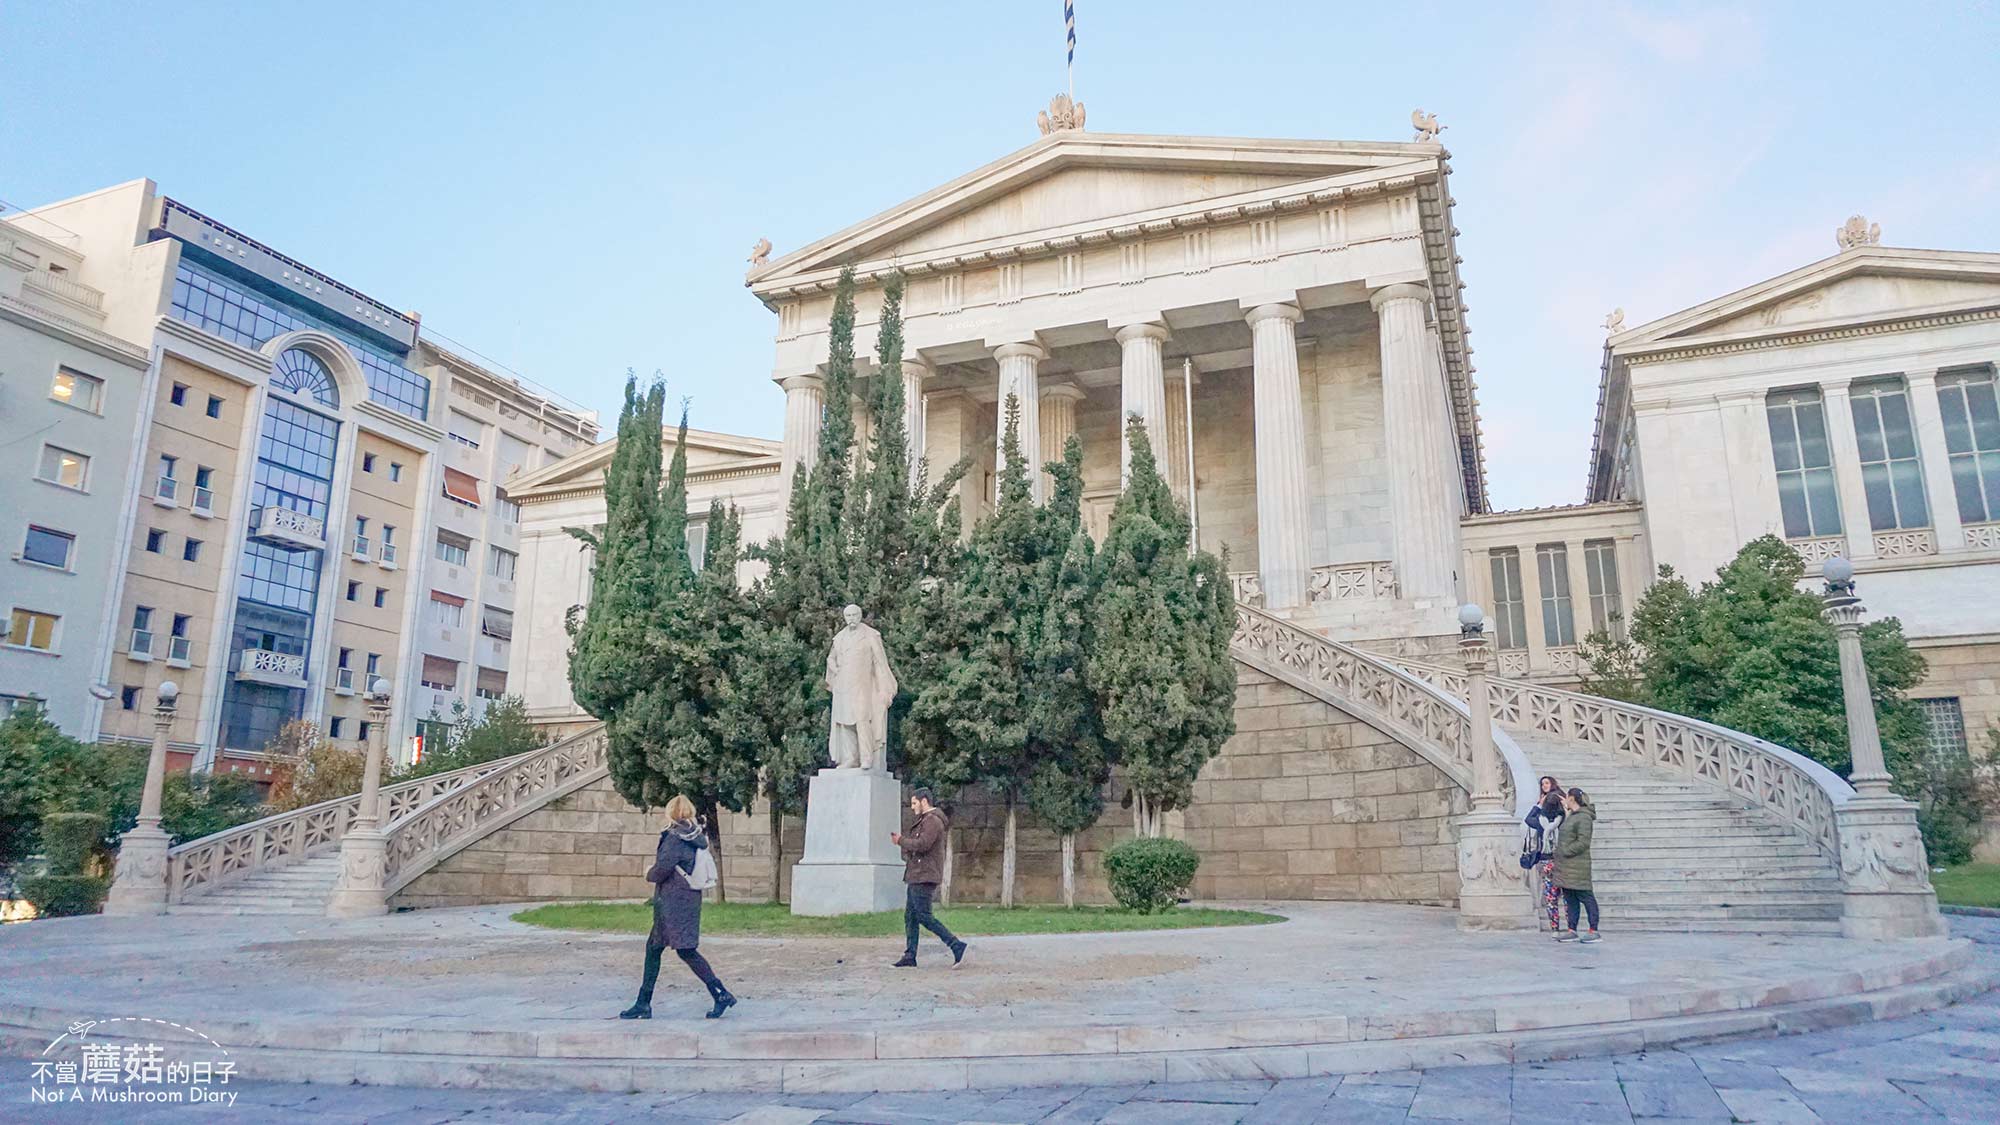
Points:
[(1491, 892), (1884, 873), (364, 850), (139, 885)]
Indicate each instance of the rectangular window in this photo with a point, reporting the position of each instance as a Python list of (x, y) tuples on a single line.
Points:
[(496, 622), (19, 705), (1510, 612), (447, 610), (1804, 463), (381, 597), (1888, 442), (1944, 725), (353, 591), (180, 627), (191, 550), (510, 512), (48, 547), (362, 729), (335, 726), (203, 475), (492, 683), (74, 388), (697, 541), (1600, 565), (461, 488), (156, 540), (65, 467), (465, 431), (27, 628), (346, 655), (440, 674), (452, 548), (214, 406), (128, 699), (167, 487), (1971, 409), (374, 664), (1558, 622), (395, 471), (367, 462), (178, 395), (500, 563)]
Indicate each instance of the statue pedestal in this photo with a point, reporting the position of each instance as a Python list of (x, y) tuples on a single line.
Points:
[(850, 867)]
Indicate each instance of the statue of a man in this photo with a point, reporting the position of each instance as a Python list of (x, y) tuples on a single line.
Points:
[(858, 675)]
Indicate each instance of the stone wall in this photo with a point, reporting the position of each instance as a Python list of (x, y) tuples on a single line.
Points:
[(1304, 802)]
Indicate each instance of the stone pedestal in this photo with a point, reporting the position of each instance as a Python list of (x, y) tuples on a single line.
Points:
[(1885, 876), (850, 866), (364, 873), (1492, 888), (140, 883)]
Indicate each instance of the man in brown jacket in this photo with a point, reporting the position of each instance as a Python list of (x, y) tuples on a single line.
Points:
[(923, 870)]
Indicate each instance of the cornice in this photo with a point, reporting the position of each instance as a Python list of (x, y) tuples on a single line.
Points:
[(1553, 511), (182, 330), (376, 412), (70, 331), (550, 495), (1885, 324)]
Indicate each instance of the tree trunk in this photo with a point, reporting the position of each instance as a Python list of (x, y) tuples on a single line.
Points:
[(1007, 859), (944, 889), (715, 851), (1069, 870), (777, 852)]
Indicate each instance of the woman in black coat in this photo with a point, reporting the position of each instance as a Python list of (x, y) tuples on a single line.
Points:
[(677, 911)]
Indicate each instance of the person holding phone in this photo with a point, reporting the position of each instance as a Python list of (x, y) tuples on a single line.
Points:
[(923, 870)]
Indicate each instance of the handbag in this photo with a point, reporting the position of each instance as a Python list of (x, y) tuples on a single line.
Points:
[(1530, 850)]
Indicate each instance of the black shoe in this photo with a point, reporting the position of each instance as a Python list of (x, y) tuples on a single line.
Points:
[(958, 954), (723, 1002), (637, 1012), (909, 961)]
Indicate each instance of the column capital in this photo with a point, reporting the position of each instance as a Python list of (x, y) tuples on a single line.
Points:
[(801, 382), (1273, 311), (1402, 291), (1063, 390), (1027, 349), (915, 360), (1142, 330)]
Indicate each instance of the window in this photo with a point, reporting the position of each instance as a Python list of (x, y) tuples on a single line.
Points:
[(48, 547), (381, 597), (465, 431), (1558, 623), (461, 488), (128, 698), (27, 628), (1600, 568), (500, 563), (510, 512), (353, 591), (1806, 494), (362, 730), (374, 664), (496, 622), (346, 655), (452, 548), (1944, 726), (191, 550), (491, 684), (361, 536), (1888, 442), (1971, 410), (440, 674), (156, 540), (447, 610), (168, 488), (367, 462), (74, 388), (65, 467), (142, 632), (697, 541), (178, 396), (214, 406), (1510, 613), (335, 727), (395, 471), (19, 705)]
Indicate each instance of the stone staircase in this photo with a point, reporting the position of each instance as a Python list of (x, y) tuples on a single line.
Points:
[(299, 888), (1670, 853)]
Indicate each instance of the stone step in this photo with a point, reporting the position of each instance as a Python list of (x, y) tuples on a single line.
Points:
[(1678, 912), (1726, 925), (1795, 892)]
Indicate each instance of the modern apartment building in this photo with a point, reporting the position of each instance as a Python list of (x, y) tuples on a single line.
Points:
[(300, 460)]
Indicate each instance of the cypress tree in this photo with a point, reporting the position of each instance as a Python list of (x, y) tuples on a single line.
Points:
[(607, 661), (1159, 663)]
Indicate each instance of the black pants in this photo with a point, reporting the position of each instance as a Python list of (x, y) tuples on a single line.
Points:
[(694, 961), (917, 912), (1585, 899)]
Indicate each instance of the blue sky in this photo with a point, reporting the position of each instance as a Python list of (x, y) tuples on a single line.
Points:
[(572, 189)]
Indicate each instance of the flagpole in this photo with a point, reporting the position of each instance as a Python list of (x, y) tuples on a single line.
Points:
[(1069, 35)]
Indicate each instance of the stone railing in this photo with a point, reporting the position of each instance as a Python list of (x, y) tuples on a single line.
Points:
[(1795, 789), (445, 823), (1983, 536), (282, 839), (1818, 549), (73, 291), (1417, 712), (1332, 582), (1905, 544)]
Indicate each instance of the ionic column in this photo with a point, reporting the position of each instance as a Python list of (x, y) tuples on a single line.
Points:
[(1846, 452), (1280, 438), (804, 405), (1928, 421), (1422, 513), (1142, 389), (1058, 422), (1176, 467), (1019, 364), (915, 371)]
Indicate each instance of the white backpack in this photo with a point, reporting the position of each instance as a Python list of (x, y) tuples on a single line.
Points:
[(704, 874)]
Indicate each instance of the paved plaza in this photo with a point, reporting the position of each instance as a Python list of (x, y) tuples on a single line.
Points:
[(1941, 1066)]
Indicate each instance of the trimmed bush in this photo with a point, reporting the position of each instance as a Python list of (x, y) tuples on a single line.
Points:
[(1148, 874), (65, 896), (70, 840)]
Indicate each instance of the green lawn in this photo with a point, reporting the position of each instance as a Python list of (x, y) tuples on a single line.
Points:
[(1971, 884), (763, 919)]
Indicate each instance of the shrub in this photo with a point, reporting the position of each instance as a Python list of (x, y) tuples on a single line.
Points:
[(502, 731), (64, 896), (1149, 874), (314, 769), (193, 805), (71, 840)]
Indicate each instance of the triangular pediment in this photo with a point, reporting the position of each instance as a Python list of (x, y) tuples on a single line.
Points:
[(707, 451), (1075, 182), (1864, 285)]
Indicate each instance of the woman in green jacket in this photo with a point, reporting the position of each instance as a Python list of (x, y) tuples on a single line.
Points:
[(1573, 863)]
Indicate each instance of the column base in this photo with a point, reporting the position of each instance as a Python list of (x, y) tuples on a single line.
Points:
[(1885, 878), (850, 866), (139, 884), (1492, 889), (364, 872)]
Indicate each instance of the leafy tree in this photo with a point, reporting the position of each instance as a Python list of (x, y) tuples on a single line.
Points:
[(311, 768), (1159, 664), (193, 805), (502, 730), (608, 661), (44, 771)]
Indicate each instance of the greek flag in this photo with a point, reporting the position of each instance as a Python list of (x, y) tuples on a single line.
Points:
[(1069, 25)]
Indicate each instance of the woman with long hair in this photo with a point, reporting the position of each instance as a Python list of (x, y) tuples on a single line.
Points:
[(1573, 863), (1544, 819), (677, 910)]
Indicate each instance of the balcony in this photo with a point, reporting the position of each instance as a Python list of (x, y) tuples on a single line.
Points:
[(204, 502), (279, 669), (166, 492), (287, 528), (141, 647), (387, 559), (180, 652), (360, 548), (343, 681)]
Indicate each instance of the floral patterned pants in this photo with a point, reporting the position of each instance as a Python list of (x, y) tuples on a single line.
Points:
[(1551, 898)]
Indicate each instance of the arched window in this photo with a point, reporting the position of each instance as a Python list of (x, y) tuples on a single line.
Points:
[(301, 373)]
